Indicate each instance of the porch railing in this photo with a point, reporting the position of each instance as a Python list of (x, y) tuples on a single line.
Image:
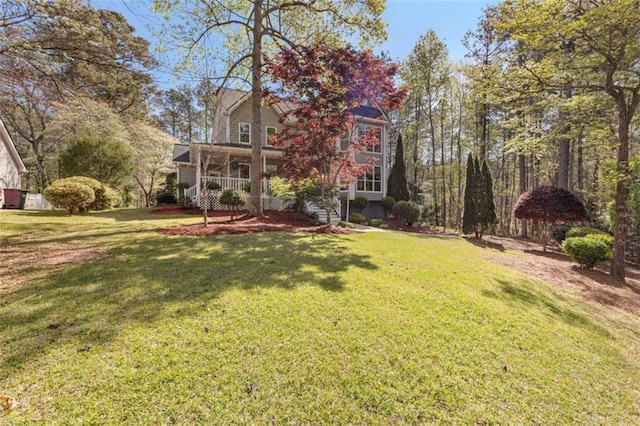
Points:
[(235, 183), (191, 192)]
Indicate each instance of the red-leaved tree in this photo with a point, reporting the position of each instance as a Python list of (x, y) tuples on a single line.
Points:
[(549, 205), (320, 91)]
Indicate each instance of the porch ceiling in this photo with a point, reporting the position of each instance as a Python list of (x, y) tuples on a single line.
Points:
[(221, 151)]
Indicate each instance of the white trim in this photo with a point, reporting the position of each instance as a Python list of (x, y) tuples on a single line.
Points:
[(240, 133), (198, 174), (228, 132), (239, 102), (12, 148)]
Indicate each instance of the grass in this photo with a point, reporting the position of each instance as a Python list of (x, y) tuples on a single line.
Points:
[(376, 328)]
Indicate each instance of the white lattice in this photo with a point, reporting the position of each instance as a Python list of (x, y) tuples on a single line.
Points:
[(268, 203)]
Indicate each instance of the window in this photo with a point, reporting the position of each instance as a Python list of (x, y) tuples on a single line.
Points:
[(244, 171), (270, 131), (362, 128), (244, 132), (344, 140), (371, 181)]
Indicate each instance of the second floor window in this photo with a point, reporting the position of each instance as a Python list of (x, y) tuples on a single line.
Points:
[(245, 132), (345, 140), (362, 128), (270, 131)]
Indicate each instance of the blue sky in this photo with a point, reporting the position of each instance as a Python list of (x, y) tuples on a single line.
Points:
[(407, 20)]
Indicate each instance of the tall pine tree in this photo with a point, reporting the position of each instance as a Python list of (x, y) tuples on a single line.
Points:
[(486, 208), (479, 208), (470, 214), (397, 186)]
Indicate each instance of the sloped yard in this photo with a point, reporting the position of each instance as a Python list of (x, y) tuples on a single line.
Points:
[(279, 328)]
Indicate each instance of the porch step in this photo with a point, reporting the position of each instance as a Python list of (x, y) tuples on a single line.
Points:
[(316, 208)]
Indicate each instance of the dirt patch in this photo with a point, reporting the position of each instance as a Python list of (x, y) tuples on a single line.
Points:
[(555, 267), (220, 223), (22, 263)]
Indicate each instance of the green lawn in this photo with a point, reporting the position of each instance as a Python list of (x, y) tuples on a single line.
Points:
[(276, 328)]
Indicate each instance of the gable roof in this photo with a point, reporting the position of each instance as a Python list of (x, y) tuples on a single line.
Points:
[(11, 148), (182, 158)]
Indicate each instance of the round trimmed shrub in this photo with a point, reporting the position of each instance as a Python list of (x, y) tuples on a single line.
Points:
[(185, 202), (166, 198), (407, 212), (387, 205), (104, 196), (605, 238), (360, 203), (213, 186), (69, 195), (233, 198), (356, 217), (376, 221), (586, 251)]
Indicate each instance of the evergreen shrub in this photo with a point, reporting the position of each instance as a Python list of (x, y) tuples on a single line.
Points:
[(586, 251), (407, 212), (376, 221), (356, 217), (166, 198), (387, 205), (69, 195), (360, 203), (583, 231)]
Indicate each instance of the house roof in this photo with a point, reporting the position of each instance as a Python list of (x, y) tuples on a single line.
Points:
[(182, 158), (6, 139), (230, 99)]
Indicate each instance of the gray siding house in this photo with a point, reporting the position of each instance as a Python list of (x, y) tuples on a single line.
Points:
[(11, 165), (227, 159)]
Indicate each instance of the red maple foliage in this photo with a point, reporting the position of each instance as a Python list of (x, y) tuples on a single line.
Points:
[(322, 91)]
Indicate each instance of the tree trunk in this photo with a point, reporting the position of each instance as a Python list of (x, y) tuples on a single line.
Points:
[(255, 198), (522, 166), (622, 194), (414, 190), (434, 181)]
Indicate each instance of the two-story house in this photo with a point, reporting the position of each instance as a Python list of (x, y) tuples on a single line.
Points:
[(227, 160), (11, 167)]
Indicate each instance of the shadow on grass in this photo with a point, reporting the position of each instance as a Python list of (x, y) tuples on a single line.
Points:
[(152, 277), (119, 215), (524, 297), (485, 244)]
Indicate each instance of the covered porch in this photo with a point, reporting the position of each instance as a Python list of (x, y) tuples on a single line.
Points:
[(220, 168)]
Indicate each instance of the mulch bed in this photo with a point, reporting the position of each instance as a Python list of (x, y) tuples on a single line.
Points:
[(415, 228), (220, 223)]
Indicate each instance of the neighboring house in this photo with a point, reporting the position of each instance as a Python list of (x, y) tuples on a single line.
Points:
[(11, 165), (227, 160)]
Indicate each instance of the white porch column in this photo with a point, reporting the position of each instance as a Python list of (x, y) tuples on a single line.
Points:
[(264, 170), (198, 171), (177, 181)]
